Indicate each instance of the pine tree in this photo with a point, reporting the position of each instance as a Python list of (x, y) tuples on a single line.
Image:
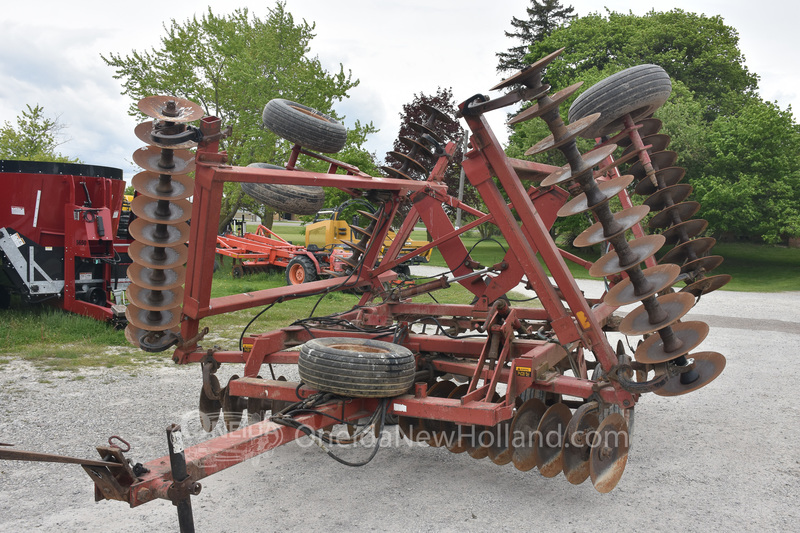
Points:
[(543, 17)]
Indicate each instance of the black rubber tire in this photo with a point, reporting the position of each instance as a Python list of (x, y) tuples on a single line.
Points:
[(304, 126), (284, 198), (300, 265), (124, 222), (637, 91), (362, 368)]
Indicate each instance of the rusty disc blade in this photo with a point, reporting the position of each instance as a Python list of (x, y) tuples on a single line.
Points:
[(437, 114), (422, 129), (257, 409), (451, 432), (572, 131), (609, 453), (441, 389), (500, 449), (156, 279), (577, 440), (680, 233), (525, 75), (707, 284), (539, 109), (415, 147), (150, 158), (691, 333), (627, 218), (395, 173), (232, 407), (708, 365), (151, 184), (660, 277), (659, 160), (158, 256), (523, 433), (590, 160), (159, 234), (690, 250), (668, 196), (607, 190), (179, 111), (702, 265), (134, 334), (153, 320), (674, 215), (638, 321), (642, 248), (550, 439), (477, 441), (161, 211), (209, 409), (657, 142), (143, 130), (647, 127), (154, 300), (602, 171), (666, 177), (409, 162)]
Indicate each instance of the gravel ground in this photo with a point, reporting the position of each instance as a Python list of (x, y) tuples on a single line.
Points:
[(723, 458)]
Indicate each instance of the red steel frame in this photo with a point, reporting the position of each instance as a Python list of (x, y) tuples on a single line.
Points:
[(517, 363)]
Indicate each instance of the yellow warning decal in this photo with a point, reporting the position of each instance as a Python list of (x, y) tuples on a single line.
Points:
[(583, 320), (523, 371), (247, 347)]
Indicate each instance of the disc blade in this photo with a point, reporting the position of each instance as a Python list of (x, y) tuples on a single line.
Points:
[(674, 215), (657, 142), (590, 160), (607, 190), (675, 305), (415, 147), (609, 453), (680, 233), (690, 333), (161, 211), (690, 250), (154, 234), (668, 196), (396, 174), (522, 77), (664, 177), (523, 433), (151, 158), (660, 277), (175, 187), (170, 108), (153, 320), (156, 279), (642, 248), (437, 114), (451, 431), (702, 265), (154, 300), (421, 129), (209, 409), (143, 130), (708, 365), (659, 160), (500, 450), (572, 131), (537, 110), (440, 389), (409, 162), (627, 218), (550, 439), (707, 284), (577, 440), (647, 127), (157, 256)]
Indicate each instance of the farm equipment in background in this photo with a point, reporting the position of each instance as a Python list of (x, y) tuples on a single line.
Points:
[(540, 388), (58, 237)]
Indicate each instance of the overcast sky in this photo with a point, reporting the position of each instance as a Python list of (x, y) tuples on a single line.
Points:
[(50, 55)]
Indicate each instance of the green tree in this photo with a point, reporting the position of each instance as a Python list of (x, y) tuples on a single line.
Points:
[(232, 65), (543, 17), (34, 138)]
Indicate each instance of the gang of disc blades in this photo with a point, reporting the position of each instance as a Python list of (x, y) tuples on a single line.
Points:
[(682, 211), (149, 209), (668, 196), (523, 432), (149, 157), (660, 277), (707, 284), (156, 279), (642, 248), (708, 365), (158, 256), (627, 218), (178, 187), (668, 176), (157, 107), (608, 189), (691, 333), (689, 250)]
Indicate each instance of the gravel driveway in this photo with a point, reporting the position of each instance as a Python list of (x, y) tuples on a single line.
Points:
[(723, 458)]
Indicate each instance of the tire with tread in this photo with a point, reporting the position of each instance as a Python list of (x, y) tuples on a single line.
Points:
[(300, 270), (284, 198), (304, 126), (637, 91), (355, 367)]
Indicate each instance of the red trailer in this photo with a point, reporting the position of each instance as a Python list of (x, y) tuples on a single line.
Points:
[(58, 236)]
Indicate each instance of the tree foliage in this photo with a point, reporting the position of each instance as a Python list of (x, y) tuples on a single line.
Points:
[(543, 17), (34, 138), (232, 65), (740, 152)]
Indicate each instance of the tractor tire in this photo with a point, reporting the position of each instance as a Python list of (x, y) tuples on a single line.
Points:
[(637, 91), (304, 126), (362, 368), (300, 270), (284, 198)]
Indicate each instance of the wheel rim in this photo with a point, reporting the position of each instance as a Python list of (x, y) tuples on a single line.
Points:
[(297, 274)]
